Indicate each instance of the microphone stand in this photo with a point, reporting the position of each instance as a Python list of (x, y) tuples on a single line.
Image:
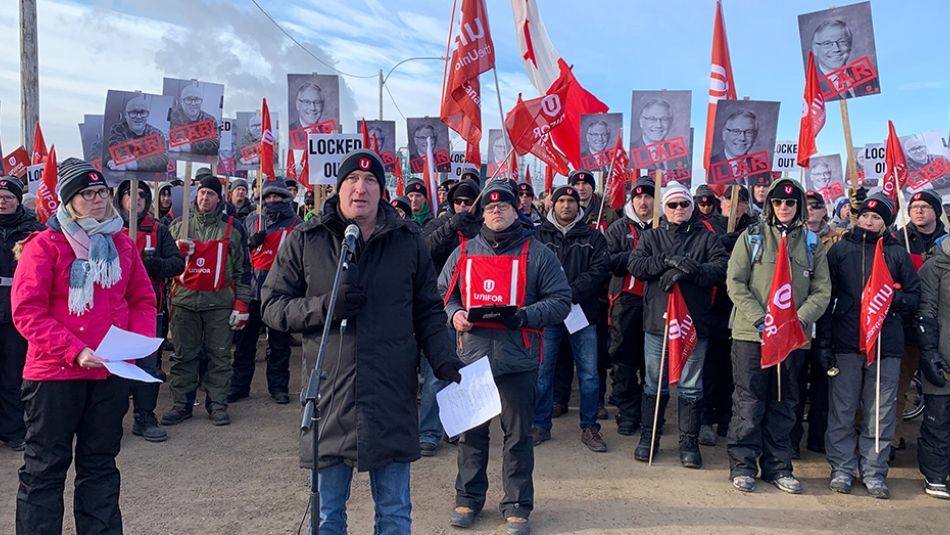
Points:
[(311, 412)]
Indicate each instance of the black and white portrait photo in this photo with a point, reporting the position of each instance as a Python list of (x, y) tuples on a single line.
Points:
[(195, 119), (313, 106), (598, 135), (660, 130), (743, 139), (135, 128), (431, 130), (842, 40), (384, 132)]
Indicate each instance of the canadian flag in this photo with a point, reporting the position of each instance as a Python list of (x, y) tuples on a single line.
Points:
[(782, 332), (39, 146), (876, 299), (721, 84), (681, 332), (267, 144), (537, 51), (46, 199), (618, 174), (813, 114), (895, 164), (461, 97)]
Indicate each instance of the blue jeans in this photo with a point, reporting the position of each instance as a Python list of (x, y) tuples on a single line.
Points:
[(390, 488), (430, 426), (584, 348), (690, 386)]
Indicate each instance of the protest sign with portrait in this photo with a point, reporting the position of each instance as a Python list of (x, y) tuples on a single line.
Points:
[(194, 124), (247, 136), (313, 106), (384, 132), (90, 136), (928, 163), (826, 177), (598, 136), (660, 135), (135, 131), (431, 130), (842, 40), (743, 139)]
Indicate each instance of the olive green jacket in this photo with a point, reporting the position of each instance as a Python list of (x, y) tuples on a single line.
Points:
[(935, 303)]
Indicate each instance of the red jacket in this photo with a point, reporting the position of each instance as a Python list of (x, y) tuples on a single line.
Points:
[(40, 307)]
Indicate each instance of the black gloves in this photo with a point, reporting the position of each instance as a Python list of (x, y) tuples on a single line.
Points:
[(349, 300), (856, 198), (449, 371), (515, 321), (934, 368), (827, 359), (670, 278), (256, 239), (153, 266), (683, 263)]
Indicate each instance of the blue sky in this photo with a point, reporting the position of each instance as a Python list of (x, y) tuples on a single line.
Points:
[(616, 46)]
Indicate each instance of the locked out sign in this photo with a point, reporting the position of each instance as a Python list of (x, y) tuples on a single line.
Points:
[(325, 152), (785, 154), (459, 165)]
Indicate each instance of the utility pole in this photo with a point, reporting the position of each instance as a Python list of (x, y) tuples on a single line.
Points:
[(29, 74)]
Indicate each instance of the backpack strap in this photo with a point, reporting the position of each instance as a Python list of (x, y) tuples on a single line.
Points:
[(811, 246), (754, 240)]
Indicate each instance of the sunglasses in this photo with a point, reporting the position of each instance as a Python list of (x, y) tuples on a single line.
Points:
[(706, 203), (466, 202), (816, 205), (681, 204), (791, 203)]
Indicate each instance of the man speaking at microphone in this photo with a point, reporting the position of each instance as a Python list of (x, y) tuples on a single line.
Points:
[(390, 305)]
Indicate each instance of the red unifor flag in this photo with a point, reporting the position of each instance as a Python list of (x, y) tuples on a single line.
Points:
[(461, 97), (813, 114), (365, 133), (513, 166), (291, 165), (46, 199), (39, 146), (618, 174), (304, 174), (267, 144), (527, 174), (574, 101), (895, 164), (548, 178), (529, 129), (400, 181), (782, 332), (721, 84), (681, 332), (876, 300)]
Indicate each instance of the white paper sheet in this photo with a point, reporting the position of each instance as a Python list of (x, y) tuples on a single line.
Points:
[(129, 371), (575, 320), (120, 344), (470, 403)]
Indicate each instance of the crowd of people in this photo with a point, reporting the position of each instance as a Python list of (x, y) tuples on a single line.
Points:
[(404, 325)]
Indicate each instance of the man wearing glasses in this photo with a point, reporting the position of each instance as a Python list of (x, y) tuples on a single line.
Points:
[(526, 209), (309, 104), (656, 120), (503, 265), (683, 251), (422, 137), (596, 140), (758, 439), (738, 136), (134, 125), (831, 44), (187, 111)]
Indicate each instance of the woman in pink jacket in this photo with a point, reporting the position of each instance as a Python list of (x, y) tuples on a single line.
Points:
[(74, 280)]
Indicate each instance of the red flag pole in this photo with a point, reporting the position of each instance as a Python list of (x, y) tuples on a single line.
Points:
[(659, 379)]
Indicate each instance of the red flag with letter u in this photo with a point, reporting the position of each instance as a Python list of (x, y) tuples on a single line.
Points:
[(681, 332), (461, 97), (876, 301), (813, 114), (721, 84), (618, 173), (529, 126), (267, 144), (46, 199), (782, 332), (895, 164)]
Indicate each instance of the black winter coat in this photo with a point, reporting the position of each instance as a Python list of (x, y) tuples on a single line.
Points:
[(13, 228), (442, 234), (582, 253), (273, 220), (368, 401), (692, 239), (620, 244), (849, 264)]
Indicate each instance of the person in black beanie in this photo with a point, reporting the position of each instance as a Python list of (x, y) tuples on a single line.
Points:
[(15, 225), (162, 261)]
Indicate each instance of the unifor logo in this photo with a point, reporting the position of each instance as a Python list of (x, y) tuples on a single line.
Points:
[(872, 203), (570, 191), (788, 190), (201, 262), (3, 184), (364, 164), (93, 176), (783, 297), (494, 197), (917, 196), (551, 105), (488, 285)]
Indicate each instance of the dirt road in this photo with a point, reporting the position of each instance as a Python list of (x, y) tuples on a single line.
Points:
[(244, 479)]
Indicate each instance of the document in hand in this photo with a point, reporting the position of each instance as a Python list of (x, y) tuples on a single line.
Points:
[(470, 403), (129, 371), (120, 344)]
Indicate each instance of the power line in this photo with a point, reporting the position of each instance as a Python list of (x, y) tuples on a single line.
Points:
[(386, 86), (307, 50)]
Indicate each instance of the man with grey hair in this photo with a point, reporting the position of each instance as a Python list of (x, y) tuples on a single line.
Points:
[(598, 139), (421, 136), (831, 43), (656, 117), (187, 111), (309, 103), (134, 125)]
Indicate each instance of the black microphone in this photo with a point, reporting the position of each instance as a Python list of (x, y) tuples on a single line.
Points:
[(350, 235)]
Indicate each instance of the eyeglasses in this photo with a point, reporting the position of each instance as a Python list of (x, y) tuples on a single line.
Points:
[(498, 207), (920, 207), (840, 43), (192, 100), (658, 120), (91, 194), (816, 205), (7, 198), (137, 113), (682, 205), (744, 133), (466, 202), (524, 194), (705, 203), (604, 135), (313, 103), (791, 203)]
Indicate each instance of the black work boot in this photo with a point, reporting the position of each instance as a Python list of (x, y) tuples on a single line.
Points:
[(689, 434), (642, 453), (146, 426), (176, 415)]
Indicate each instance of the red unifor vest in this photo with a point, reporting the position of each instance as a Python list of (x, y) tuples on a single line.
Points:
[(262, 257), (917, 260), (149, 240), (492, 280), (205, 269)]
